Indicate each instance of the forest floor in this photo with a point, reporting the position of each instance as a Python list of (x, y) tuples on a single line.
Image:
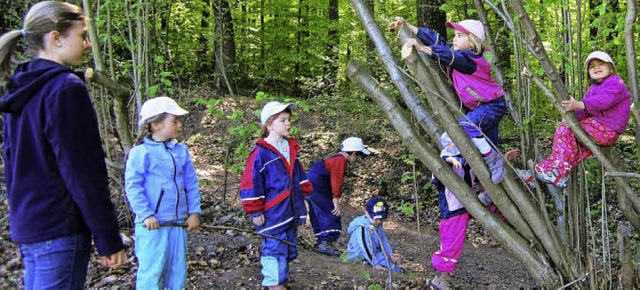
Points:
[(224, 253)]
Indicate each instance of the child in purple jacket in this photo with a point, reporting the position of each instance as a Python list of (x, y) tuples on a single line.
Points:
[(470, 73), (603, 114)]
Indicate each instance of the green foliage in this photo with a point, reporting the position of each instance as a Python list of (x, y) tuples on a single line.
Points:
[(367, 275), (375, 287), (406, 209)]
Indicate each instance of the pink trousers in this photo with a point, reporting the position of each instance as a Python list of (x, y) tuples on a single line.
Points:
[(453, 232), (567, 152)]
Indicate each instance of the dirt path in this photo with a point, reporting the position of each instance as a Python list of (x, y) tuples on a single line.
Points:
[(481, 266)]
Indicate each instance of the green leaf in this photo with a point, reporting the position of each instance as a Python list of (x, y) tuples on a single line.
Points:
[(159, 59)]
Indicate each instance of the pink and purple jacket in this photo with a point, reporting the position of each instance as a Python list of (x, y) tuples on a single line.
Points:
[(275, 188), (470, 72), (608, 102)]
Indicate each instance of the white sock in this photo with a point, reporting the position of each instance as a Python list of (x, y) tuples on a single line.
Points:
[(482, 145)]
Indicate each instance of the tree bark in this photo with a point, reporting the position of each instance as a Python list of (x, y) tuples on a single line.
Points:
[(333, 40), (629, 40), (429, 15), (120, 110), (535, 262), (400, 80), (225, 46), (120, 94)]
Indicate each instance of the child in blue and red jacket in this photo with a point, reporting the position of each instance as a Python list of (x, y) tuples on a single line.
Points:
[(603, 114), (327, 177), (271, 191), (470, 73)]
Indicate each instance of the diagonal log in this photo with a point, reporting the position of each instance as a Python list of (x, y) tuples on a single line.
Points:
[(537, 221), (120, 96), (425, 80), (399, 79), (535, 262)]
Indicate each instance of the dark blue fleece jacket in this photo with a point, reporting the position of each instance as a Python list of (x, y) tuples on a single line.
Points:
[(56, 176)]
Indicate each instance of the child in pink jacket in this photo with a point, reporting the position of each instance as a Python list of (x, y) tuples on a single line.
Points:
[(603, 114)]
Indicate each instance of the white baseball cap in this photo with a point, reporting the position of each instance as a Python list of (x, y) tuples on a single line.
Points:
[(601, 55), (474, 27), (354, 144), (156, 106), (273, 108)]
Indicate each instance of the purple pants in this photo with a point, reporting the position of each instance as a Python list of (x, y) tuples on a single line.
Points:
[(567, 152)]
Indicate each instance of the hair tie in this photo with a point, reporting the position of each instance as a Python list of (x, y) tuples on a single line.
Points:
[(23, 32)]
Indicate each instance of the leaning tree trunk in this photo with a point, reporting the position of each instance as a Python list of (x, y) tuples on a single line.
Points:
[(561, 256), (540, 224), (400, 80), (534, 261)]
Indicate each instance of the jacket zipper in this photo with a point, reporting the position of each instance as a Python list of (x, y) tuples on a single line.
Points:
[(174, 180)]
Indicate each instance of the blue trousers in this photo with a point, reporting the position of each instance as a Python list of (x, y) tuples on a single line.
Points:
[(276, 256), (162, 257), (326, 226), (59, 263), (484, 119)]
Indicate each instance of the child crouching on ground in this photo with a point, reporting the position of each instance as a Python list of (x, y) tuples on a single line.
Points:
[(368, 242)]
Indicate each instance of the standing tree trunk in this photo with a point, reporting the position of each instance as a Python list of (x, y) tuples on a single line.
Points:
[(371, 48), (632, 80), (224, 45), (333, 40), (205, 64), (430, 15), (120, 94)]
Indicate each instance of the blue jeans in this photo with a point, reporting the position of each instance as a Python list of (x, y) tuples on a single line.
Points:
[(485, 119), (59, 263)]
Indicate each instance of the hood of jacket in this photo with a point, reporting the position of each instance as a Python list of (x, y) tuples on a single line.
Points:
[(27, 81), (360, 221)]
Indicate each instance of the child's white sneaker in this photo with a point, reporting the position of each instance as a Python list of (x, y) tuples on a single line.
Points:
[(526, 177), (551, 177), (440, 282)]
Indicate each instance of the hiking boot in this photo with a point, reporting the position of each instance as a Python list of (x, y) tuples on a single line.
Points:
[(526, 177), (440, 282), (496, 166), (328, 249), (484, 198), (551, 177)]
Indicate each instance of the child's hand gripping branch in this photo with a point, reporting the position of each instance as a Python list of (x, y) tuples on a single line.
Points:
[(572, 105)]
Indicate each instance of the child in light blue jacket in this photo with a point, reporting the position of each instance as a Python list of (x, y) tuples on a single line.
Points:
[(162, 188), (368, 242)]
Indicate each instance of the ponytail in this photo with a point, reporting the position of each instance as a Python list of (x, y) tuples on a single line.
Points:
[(42, 18), (8, 44)]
